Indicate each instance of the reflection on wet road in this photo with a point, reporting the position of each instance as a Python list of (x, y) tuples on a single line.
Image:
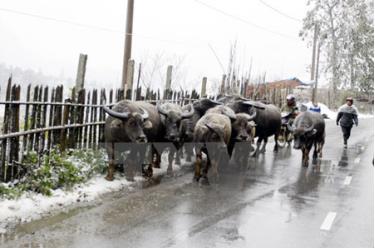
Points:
[(271, 202)]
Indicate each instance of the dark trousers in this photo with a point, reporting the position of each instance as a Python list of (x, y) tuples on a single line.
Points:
[(346, 132)]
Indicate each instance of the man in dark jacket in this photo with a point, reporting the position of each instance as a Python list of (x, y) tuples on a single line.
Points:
[(347, 116)]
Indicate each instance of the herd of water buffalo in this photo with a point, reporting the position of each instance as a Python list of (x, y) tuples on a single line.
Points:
[(225, 127)]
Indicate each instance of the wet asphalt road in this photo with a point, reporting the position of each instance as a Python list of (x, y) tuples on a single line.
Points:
[(273, 202)]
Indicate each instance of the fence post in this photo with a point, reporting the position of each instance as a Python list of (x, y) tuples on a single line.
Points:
[(138, 89), (64, 133), (80, 80), (222, 87), (26, 120), (203, 88), (72, 120), (168, 83), (129, 80), (86, 128), (57, 115), (14, 142), (103, 101), (50, 121), (33, 119), (245, 88), (80, 116), (38, 118), (93, 118), (44, 116), (5, 130)]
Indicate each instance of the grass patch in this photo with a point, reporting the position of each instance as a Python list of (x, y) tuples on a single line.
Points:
[(56, 170)]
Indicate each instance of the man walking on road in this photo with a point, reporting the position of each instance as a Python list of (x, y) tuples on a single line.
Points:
[(347, 116)]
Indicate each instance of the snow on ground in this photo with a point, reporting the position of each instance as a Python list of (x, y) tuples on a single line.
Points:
[(32, 206), (332, 114)]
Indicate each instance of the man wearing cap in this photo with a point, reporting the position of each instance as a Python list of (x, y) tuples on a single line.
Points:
[(289, 110), (347, 116)]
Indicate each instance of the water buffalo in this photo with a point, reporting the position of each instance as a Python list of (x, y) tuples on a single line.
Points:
[(211, 136), (187, 125), (242, 125), (267, 119), (308, 129), (243, 132), (124, 128), (171, 116)]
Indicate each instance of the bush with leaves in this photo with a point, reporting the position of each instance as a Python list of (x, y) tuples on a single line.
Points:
[(56, 170)]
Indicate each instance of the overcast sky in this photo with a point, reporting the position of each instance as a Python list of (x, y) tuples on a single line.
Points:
[(176, 29)]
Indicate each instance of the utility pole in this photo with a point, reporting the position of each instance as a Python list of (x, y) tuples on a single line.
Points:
[(314, 52), (313, 63), (315, 90), (128, 42)]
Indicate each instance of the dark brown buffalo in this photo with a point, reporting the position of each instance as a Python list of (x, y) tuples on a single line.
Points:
[(308, 129), (126, 124), (267, 119), (171, 116)]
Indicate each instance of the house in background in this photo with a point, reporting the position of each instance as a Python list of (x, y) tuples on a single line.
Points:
[(262, 90)]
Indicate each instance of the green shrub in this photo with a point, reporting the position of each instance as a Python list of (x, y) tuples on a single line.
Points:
[(57, 170)]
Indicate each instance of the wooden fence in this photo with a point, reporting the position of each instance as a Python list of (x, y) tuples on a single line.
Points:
[(46, 120)]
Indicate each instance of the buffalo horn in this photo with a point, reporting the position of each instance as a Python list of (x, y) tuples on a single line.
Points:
[(230, 113), (215, 102), (122, 116), (144, 113), (188, 114), (309, 129), (253, 115), (161, 110), (257, 105)]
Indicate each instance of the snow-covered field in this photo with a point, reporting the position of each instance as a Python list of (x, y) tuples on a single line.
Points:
[(32, 206)]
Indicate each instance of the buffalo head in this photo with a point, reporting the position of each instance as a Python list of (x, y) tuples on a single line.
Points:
[(172, 117), (130, 122), (244, 127), (302, 135)]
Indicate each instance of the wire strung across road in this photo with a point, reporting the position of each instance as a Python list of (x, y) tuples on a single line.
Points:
[(279, 12), (73, 23), (244, 21)]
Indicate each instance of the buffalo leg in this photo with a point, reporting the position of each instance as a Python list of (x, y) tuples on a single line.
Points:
[(315, 154), (131, 166), (320, 148), (305, 156), (215, 170), (179, 156), (155, 158), (111, 162), (265, 140), (276, 147), (205, 170), (259, 142), (170, 161), (198, 165)]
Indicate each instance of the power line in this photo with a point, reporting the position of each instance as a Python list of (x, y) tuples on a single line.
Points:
[(278, 11), (217, 58), (243, 20), (59, 20), (89, 26)]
